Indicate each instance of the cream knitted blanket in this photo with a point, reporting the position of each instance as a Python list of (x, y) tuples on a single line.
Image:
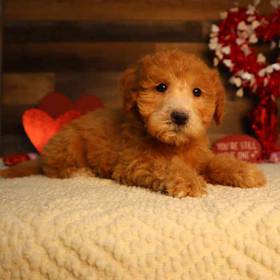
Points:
[(87, 228)]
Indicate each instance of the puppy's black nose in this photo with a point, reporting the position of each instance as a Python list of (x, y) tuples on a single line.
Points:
[(179, 118)]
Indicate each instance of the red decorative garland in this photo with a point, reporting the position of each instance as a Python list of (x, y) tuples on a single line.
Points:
[(230, 40)]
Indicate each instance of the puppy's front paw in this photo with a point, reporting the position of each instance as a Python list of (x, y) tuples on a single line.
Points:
[(181, 187), (248, 176), (227, 170)]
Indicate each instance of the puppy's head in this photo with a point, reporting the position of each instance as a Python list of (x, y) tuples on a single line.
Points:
[(176, 95)]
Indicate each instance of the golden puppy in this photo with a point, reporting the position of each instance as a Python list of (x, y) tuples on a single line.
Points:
[(158, 140)]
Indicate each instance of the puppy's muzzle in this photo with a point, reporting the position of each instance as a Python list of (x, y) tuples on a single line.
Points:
[(179, 118)]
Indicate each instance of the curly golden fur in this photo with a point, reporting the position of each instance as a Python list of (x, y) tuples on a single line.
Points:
[(158, 140)]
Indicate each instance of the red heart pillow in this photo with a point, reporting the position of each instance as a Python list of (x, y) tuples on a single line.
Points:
[(56, 104), (41, 127), (54, 111)]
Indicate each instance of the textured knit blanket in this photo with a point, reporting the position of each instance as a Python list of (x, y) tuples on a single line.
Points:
[(89, 228)]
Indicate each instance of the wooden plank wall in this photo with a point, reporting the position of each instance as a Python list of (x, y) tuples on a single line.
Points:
[(79, 47)]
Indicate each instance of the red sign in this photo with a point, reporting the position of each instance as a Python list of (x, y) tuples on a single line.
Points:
[(241, 146)]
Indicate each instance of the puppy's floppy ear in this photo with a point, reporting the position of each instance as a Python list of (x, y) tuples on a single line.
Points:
[(128, 87), (220, 97)]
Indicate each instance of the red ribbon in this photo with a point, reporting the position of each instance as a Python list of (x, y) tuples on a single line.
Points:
[(14, 159), (264, 123)]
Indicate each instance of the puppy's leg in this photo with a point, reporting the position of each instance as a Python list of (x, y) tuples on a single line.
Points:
[(64, 155), (172, 177), (73, 172), (227, 170), (184, 181)]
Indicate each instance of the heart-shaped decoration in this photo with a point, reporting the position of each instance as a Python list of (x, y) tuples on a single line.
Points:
[(231, 41), (41, 127), (56, 104)]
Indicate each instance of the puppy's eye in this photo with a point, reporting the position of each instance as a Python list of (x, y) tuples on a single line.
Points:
[(197, 92), (161, 87)]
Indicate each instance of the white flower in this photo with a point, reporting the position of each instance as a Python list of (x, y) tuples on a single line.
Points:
[(273, 45), (216, 61), (236, 81), (219, 54), (276, 66), (223, 15), (226, 50), (240, 93), (240, 41), (214, 43), (247, 32), (228, 63), (261, 58), (251, 10), (251, 18), (215, 28), (235, 9), (275, 3), (255, 24), (242, 26), (247, 76), (262, 72), (253, 82), (269, 69), (246, 50), (253, 38), (243, 34), (213, 35)]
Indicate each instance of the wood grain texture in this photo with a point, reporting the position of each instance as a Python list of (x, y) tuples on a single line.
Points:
[(63, 57), (16, 143), (34, 10), (26, 89), (102, 56), (104, 31)]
